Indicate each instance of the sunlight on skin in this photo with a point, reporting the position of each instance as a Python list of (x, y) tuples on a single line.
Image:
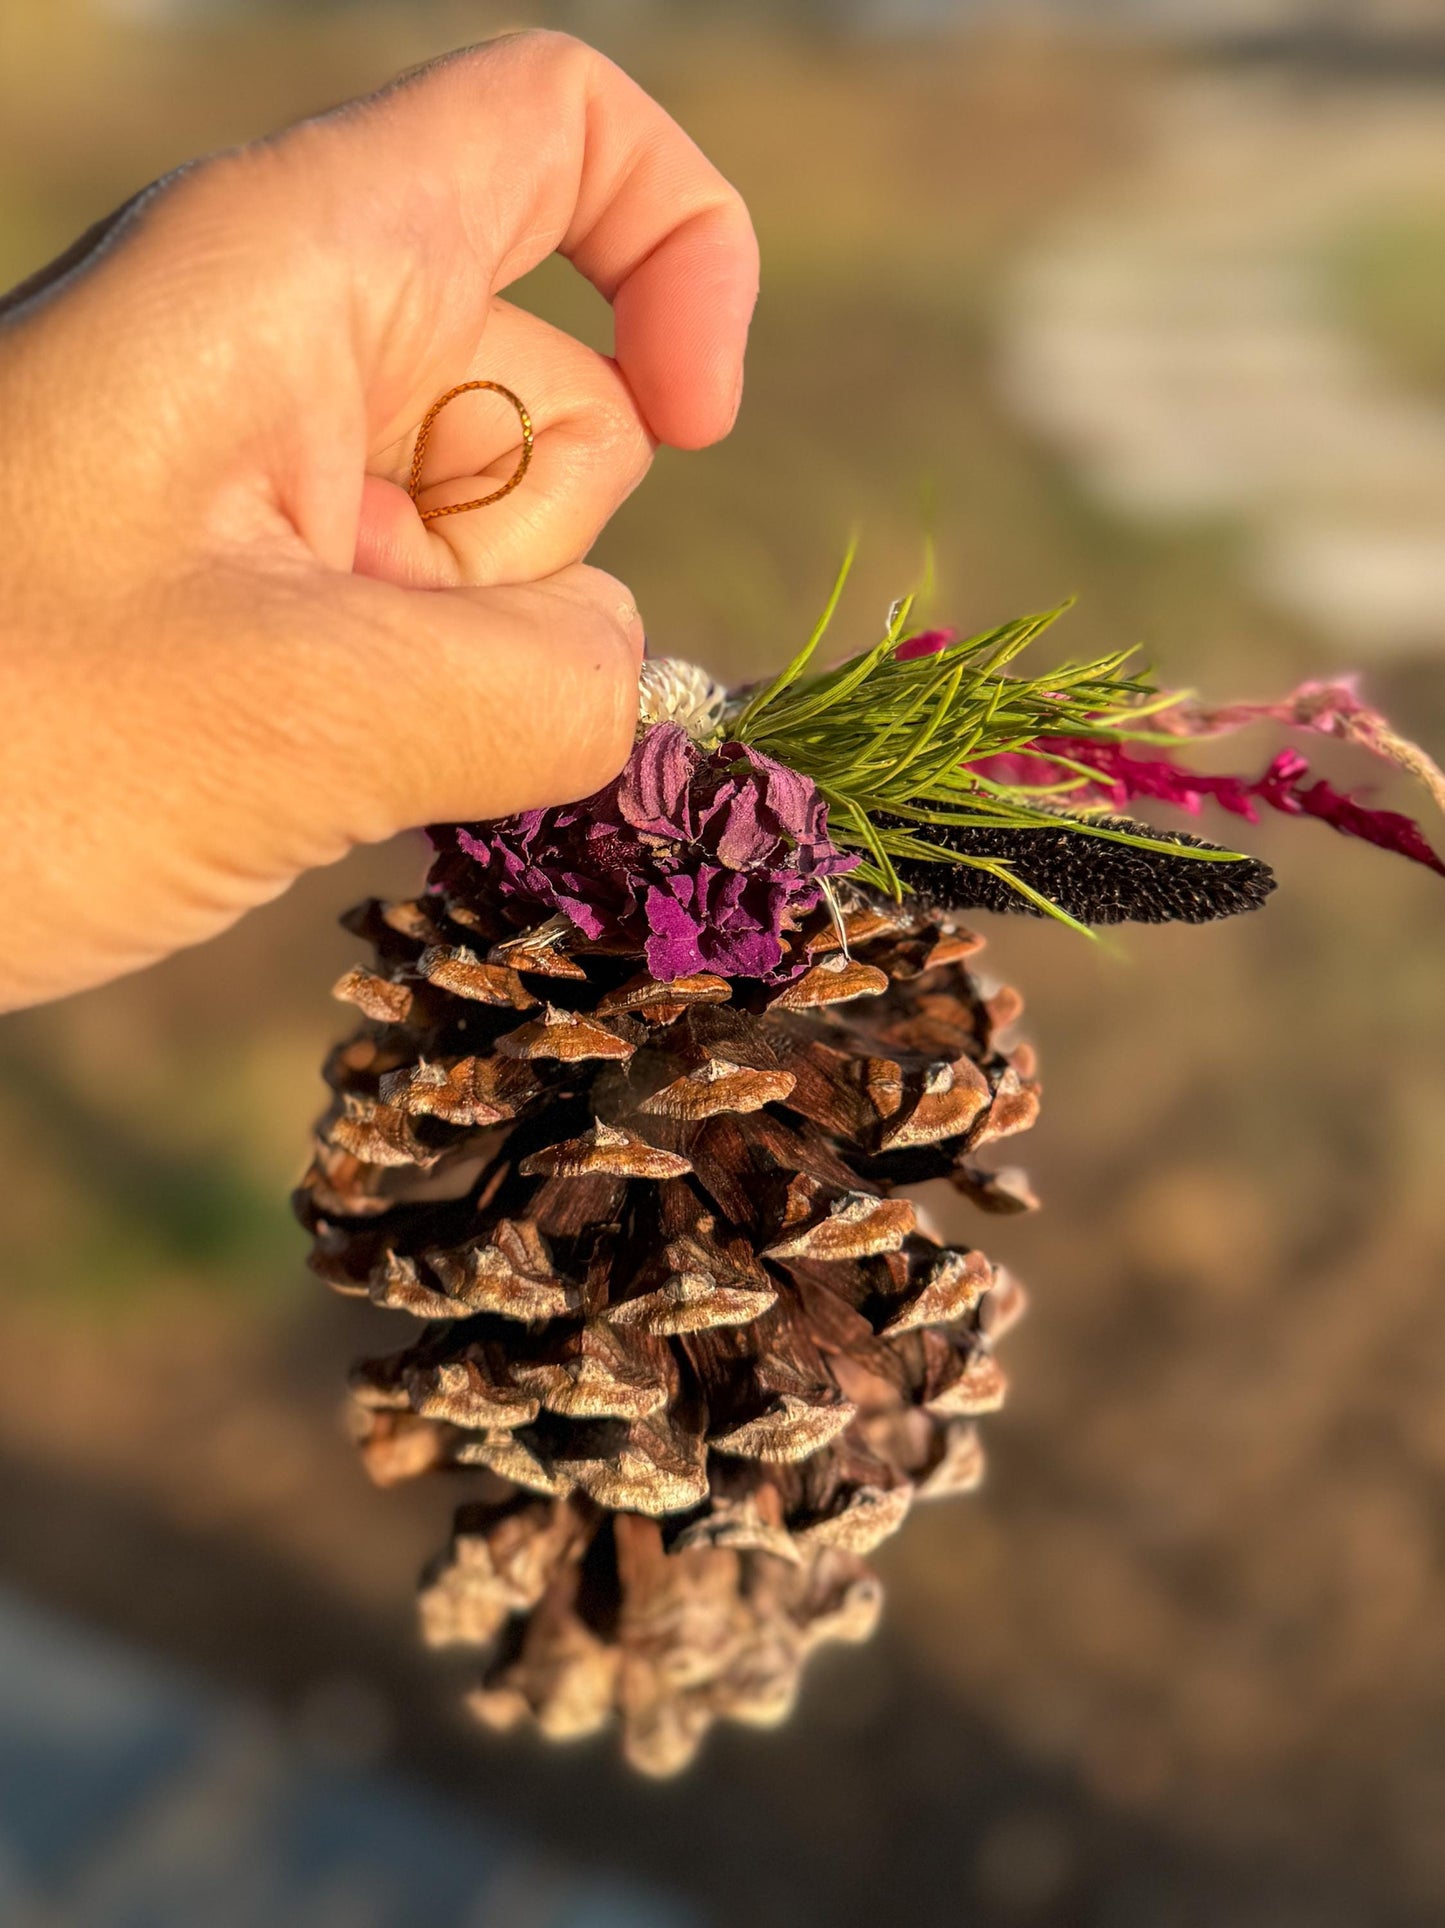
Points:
[(224, 666)]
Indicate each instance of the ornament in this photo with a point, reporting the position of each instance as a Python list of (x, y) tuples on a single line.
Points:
[(627, 1132)]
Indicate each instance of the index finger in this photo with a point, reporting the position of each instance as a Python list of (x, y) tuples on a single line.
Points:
[(498, 156)]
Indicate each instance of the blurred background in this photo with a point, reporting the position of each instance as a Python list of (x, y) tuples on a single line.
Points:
[(1139, 299)]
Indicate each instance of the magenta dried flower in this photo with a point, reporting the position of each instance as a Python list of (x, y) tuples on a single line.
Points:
[(704, 860), (1122, 778), (1325, 709), (928, 642), (1068, 771)]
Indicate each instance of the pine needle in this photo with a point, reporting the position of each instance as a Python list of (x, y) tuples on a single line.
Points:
[(893, 741)]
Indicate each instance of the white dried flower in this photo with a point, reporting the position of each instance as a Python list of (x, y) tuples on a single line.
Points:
[(672, 691)]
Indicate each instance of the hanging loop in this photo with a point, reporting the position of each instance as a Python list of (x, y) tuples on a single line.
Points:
[(423, 436)]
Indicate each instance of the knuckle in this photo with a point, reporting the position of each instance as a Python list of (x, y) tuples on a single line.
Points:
[(608, 600), (216, 202), (558, 45), (188, 196), (618, 439), (551, 47)]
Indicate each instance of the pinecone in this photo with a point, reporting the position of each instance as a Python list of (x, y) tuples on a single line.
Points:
[(676, 1313)]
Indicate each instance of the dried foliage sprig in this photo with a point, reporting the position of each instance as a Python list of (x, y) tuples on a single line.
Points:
[(899, 742)]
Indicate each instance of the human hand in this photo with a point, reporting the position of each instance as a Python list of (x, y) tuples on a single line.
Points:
[(232, 649)]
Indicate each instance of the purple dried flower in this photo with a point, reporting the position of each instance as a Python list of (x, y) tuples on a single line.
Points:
[(653, 792), (704, 861)]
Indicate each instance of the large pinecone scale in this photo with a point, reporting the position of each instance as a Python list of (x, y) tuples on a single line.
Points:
[(674, 1309)]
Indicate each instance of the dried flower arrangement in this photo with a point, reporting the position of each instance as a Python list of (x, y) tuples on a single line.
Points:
[(630, 1121)]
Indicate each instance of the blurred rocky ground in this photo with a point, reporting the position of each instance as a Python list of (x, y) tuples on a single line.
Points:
[(1111, 313), (130, 1795)]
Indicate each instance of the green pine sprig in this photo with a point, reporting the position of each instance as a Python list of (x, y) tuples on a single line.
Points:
[(889, 743)]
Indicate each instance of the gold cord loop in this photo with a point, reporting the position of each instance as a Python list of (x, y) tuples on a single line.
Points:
[(423, 436)]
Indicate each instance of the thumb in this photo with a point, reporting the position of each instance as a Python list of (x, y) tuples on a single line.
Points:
[(171, 773), (464, 703)]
